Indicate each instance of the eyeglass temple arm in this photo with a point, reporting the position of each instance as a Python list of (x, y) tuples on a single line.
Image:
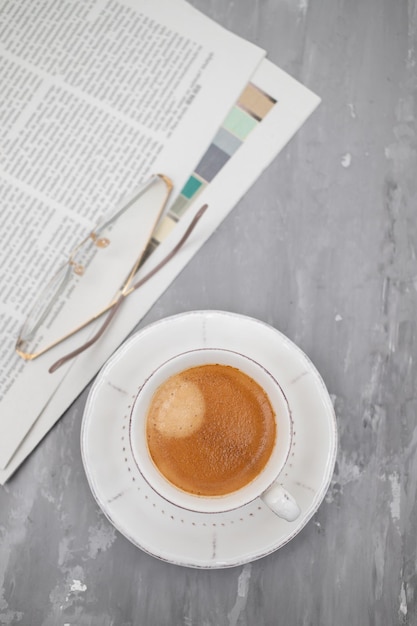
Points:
[(172, 253), (122, 296)]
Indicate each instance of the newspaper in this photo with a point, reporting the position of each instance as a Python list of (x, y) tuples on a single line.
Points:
[(33, 400), (95, 96)]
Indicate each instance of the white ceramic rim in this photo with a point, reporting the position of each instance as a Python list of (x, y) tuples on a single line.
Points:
[(282, 444)]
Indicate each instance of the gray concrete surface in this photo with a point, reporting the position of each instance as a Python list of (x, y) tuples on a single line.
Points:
[(323, 247)]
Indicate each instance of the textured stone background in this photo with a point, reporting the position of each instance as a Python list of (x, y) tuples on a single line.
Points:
[(323, 248)]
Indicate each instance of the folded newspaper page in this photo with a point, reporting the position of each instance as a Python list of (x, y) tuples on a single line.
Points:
[(213, 150), (93, 93)]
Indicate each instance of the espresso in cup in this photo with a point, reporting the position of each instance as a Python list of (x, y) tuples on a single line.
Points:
[(210, 429)]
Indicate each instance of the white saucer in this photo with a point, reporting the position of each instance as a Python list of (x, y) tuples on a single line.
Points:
[(196, 539)]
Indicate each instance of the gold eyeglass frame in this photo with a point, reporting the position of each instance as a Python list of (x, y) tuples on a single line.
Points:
[(124, 290)]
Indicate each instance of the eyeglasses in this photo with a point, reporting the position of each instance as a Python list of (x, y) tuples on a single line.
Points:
[(71, 301)]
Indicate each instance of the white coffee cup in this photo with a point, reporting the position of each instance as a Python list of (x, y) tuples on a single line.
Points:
[(265, 485)]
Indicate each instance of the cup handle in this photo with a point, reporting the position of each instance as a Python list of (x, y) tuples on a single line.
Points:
[(281, 502)]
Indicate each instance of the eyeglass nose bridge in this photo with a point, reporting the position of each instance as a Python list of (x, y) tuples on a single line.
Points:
[(102, 242), (77, 268), (99, 242)]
